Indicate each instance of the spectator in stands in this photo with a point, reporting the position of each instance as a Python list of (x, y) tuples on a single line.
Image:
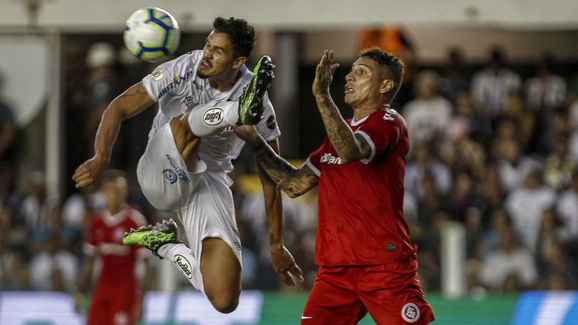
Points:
[(429, 114), (454, 77), (511, 265), (559, 165), (567, 209), (37, 208), (513, 166), (53, 268), (491, 86), (526, 206), (545, 90), (421, 163)]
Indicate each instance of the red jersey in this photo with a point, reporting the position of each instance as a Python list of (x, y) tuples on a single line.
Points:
[(361, 218), (105, 239)]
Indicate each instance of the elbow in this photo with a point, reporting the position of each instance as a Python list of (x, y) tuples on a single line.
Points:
[(293, 191), (292, 194)]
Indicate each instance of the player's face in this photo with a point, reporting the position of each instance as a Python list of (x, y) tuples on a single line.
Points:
[(363, 83), (218, 55), (115, 191)]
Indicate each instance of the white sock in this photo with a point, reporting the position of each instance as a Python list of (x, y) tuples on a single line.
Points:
[(181, 256), (213, 117)]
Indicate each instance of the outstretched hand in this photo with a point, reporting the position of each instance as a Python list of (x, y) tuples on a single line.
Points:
[(285, 266), (89, 172), (324, 74)]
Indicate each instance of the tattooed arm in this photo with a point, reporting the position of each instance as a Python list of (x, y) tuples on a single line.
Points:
[(349, 146), (293, 181), (133, 101)]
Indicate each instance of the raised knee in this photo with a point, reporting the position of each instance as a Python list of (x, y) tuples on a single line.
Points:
[(225, 302)]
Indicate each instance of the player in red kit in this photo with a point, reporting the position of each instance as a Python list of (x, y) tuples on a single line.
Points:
[(366, 260), (117, 296)]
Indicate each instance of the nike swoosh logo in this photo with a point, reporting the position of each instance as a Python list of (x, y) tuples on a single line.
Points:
[(306, 317)]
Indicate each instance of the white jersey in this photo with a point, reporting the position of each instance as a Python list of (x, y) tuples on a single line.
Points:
[(175, 85)]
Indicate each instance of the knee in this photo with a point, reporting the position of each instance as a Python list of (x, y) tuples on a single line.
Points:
[(225, 302), (180, 126)]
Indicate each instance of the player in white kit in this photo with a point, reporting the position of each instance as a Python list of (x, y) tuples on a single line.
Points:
[(184, 169)]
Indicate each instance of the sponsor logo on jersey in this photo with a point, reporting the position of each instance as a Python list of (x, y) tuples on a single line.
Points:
[(410, 312), (330, 159), (177, 81), (171, 176), (213, 116), (271, 123), (180, 174), (184, 265), (237, 245)]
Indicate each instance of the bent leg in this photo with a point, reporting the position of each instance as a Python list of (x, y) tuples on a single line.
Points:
[(221, 274), (186, 142)]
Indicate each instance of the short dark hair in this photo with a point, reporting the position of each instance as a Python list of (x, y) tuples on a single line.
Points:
[(111, 175), (393, 64), (240, 33)]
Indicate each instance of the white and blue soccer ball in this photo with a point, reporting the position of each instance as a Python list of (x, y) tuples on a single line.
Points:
[(151, 34)]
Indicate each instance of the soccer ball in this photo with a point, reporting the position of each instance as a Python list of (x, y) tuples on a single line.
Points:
[(151, 34)]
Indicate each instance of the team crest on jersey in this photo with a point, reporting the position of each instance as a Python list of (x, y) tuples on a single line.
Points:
[(189, 101), (157, 74), (213, 116), (410, 312), (390, 115)]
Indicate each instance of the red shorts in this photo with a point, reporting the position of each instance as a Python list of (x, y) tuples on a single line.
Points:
[(113, 306), (344, 295)]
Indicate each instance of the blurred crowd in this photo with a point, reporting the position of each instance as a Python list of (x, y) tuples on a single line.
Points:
[(492, 149)]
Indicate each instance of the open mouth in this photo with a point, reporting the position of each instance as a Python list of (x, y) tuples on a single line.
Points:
[(205, 64)]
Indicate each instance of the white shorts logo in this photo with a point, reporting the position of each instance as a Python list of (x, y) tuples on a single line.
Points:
[(213, 116), (410, 312)]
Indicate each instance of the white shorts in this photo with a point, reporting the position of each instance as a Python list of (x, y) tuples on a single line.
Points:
[(201, 199), (163, 175)]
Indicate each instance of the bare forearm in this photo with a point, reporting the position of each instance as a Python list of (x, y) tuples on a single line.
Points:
[(281, 172), (107, 133), (85, 276), (273, 210), (340, 134), (131, 102)]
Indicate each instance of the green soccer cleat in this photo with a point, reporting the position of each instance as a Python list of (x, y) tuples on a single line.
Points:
[(251, 101), (153, 236)]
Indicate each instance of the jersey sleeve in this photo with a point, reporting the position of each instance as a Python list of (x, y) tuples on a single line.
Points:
[(166, 77), (314, 159), (267, 126), (381, 130)]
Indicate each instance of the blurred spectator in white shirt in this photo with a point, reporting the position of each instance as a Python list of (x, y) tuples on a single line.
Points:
[(526, 206), (510, 266), (429, 114), (492, 85)]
